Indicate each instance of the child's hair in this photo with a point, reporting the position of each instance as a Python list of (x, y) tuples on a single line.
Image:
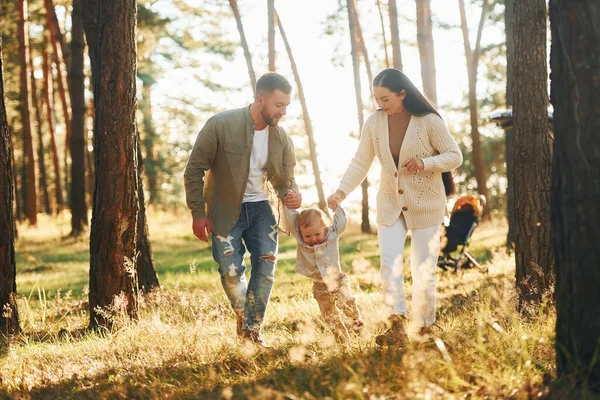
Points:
[(309, 216)]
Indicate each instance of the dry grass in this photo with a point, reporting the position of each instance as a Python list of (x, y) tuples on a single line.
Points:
[(184, 345)]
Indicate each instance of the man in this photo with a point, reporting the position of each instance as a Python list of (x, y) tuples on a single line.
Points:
[(234, 156)]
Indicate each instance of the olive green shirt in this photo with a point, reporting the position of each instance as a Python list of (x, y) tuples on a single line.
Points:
[(217, 171)]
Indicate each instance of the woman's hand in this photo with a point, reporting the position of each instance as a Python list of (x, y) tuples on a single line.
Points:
[(414, 164), (334, 200)]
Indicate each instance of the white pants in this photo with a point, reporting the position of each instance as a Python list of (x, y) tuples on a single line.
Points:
[(424, 252)]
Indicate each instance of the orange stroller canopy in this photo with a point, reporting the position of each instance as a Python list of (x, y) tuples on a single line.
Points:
[(470, 202)]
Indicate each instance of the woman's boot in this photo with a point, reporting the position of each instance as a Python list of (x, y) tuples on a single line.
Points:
[(396, 335)]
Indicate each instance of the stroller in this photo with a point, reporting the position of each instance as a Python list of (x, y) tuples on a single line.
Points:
[(463, 219)]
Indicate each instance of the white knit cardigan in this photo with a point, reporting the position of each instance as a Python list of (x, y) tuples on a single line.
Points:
[(420, 196)]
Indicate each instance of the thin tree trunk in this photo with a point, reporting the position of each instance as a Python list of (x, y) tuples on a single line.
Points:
[(148, 142), (9, 317), (395, 32), (19, 214), (46, 94), (472, 57), (385, 44), (271, 35), (510, 153), (533, 249), (307, 122), (240, 27), (426, 50), (363, 48), (77, 145), (352, 18), (42, 178), (55, 32), (575, 95), (23, 33), (89, 153), (113, 250)]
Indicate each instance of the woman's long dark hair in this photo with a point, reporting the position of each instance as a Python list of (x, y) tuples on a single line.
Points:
[(415, 102)]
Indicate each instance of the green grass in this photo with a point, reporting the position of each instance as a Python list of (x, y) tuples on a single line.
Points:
[(184, 344)]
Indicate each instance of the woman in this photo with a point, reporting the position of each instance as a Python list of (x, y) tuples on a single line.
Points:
[(414, 148)]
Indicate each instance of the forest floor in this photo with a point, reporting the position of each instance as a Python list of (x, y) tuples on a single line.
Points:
[(184, 345)]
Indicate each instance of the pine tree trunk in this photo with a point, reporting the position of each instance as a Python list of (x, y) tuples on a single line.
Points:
[(271, 33), (76, 77), (23, 33), (46, 95), (363, 48), (533, 156), (240, 27), (426, 51), (116, 204), (510, 153), (352, 18), (395, 32), (307, 122), (19, 214), (148, 143), (89, 153), (472, 57), (575, 95), (42, 177), (9, 317), (56, 34)]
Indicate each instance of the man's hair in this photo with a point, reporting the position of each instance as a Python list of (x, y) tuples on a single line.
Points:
[(272, 81), (309, 216)]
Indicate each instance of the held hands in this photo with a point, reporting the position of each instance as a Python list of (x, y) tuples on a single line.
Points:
[(292, 200), (200, 227), (334, 200), (414, 164)]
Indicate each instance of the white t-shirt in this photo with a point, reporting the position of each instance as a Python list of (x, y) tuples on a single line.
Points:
[(256, 189)]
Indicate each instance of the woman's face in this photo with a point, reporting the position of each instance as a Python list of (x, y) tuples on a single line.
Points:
[(388, 101)]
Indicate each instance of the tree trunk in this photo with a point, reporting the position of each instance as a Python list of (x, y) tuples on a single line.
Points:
[(147, 279), (426, 51), (150, 166), (472, 57), (240, 27), (89, 153), (307, 122), (395, 32), (352, 18), (363, 48), (46, 94), (42, 178), (575, 95), (9, 317), (23, 33), (113, 250), (533, 157), (510, 153), (77, 193), (55, 32), (271, 36), (19, 215)]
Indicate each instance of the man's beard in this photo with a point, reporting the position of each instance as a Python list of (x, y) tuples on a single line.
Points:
[(268, 120)]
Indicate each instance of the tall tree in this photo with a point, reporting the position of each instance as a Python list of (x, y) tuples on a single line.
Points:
[(307, 122), (472, 57), (362, 46), (510, 163), (533, 156), (23, 33), (426, 51), (55, 32), (395, 32), (149, 139), (247, 56), (271, 33), (354, 49), (113, 250), (9, 317), (77, 86), (575, 95)]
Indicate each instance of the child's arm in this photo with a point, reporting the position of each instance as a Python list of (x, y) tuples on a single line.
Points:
[(339, 220)]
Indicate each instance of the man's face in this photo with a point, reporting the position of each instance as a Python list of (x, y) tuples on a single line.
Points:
[(273, 106)]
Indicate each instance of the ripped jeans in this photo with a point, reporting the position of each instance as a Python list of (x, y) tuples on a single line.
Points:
[(258, 229)]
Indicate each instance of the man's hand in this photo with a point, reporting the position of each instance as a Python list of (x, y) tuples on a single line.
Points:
[(334, 200), (200, 227), (414, 164), (292, 200)]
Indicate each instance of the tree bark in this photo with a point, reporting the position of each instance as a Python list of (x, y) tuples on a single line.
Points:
[(472, 57), (113, 250), (533, 156), (23, 33), (76, 77), (9, 317), (395, 33), (46, 94), (271, 33), (426, 50), (575, 95), (55, 32), (247, 56), (510, 153), (352, 18), (307, 122)]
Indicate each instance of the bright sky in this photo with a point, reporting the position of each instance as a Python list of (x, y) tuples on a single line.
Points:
[(329, 88)]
